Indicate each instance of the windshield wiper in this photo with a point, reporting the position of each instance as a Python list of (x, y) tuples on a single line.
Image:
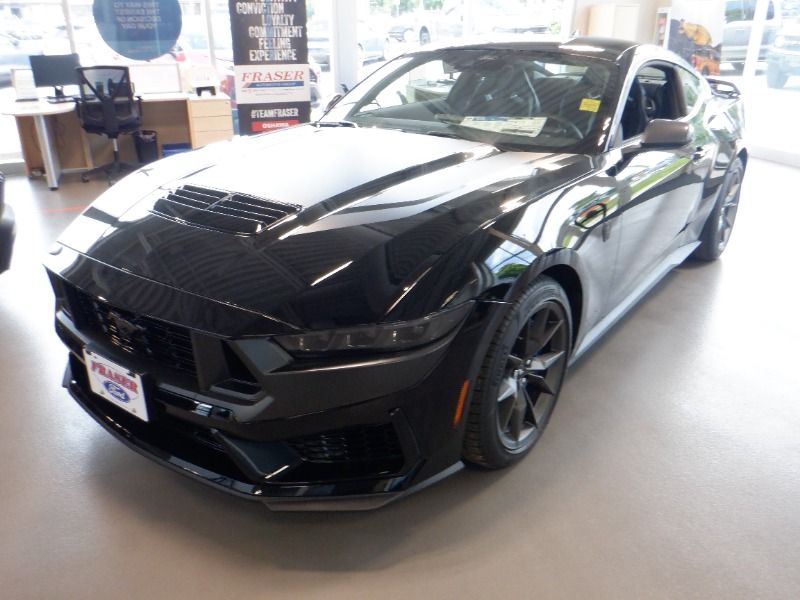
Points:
[(449, 119), (335, 124), (444, 134)]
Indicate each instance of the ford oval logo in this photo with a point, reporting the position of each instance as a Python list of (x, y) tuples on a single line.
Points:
[(117, 391)]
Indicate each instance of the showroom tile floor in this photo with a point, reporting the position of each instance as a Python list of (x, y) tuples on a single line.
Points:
[(671, 468)]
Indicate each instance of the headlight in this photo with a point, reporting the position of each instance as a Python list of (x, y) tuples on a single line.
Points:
[(386, 337), (780, 41)]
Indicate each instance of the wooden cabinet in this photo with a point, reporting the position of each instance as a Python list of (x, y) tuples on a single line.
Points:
[(210, 120)]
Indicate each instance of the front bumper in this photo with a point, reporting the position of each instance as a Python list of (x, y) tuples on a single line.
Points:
[(220, 470), (353, 437)]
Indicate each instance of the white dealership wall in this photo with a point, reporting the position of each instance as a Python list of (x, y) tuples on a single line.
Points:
[(646, 23)]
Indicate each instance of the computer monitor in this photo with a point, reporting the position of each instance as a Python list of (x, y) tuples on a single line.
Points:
[(55, 70)]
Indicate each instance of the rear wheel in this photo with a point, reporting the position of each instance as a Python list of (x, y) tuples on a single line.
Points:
[(717, 230), (521, 376)]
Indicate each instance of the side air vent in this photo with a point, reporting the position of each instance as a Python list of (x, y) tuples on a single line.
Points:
[(224, 211)]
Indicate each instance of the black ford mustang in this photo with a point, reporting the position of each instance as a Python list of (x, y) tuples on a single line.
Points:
[(335, 314)]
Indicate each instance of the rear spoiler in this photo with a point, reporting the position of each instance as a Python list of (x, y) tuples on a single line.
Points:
[(722, 88)]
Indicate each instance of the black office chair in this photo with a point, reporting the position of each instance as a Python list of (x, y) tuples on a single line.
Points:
[(107, 106)]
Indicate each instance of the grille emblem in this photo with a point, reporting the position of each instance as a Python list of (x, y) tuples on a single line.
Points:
[(125, 327)]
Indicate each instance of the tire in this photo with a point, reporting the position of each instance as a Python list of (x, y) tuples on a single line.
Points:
[(776, 78), (717, 230), (518, 384)]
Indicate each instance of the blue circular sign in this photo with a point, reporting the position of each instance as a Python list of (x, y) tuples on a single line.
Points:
[(117, 391), (138, 29)]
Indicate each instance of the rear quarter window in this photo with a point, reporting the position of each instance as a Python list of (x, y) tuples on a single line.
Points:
[(692, 88)]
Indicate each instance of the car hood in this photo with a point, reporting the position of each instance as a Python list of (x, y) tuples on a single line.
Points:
[(370, 211)]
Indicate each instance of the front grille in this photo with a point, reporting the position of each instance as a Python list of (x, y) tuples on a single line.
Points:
[(169, 345), (372, 444), (223, 211)]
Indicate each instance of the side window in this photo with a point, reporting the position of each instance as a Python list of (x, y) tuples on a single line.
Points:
[(652, 96), (691, 86)]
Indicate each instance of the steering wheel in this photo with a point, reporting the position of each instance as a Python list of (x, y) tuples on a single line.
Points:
[(567, 126)]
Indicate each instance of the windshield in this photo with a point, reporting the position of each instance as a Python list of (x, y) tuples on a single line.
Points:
[(524, 99)]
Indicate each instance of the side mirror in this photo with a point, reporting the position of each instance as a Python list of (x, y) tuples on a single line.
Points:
[(334, 101), (664, 133)]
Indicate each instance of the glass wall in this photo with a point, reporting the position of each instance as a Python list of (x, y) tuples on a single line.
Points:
[(386, 28), (25, 28), (767, 71)]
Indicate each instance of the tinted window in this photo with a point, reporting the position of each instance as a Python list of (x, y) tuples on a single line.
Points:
[(651, 96)]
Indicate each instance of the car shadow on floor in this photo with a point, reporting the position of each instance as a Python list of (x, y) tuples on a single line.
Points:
[(245, 531)]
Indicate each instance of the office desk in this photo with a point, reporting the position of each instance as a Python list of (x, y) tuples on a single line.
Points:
[(53, 141), (37, 124)]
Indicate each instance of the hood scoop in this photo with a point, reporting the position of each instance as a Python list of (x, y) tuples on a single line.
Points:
[(229, 212)]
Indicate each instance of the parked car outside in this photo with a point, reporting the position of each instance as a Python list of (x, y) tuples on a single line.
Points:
[(783, 59), (414, 27), (478, 217), (371, 42), (739, 16), (452, 21)]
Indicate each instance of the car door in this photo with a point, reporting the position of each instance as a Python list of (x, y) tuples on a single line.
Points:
[(659, 188)]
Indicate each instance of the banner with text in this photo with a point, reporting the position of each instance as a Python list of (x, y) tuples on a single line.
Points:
[(270, 56)]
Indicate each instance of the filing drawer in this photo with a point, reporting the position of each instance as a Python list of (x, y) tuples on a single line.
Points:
[(201, 138), (215, 123), (209, 108)]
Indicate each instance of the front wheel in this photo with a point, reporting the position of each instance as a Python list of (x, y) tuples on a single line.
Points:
[(521, 376), (719, 225)]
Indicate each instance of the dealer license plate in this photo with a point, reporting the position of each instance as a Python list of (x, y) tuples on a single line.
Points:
[(116, 383)]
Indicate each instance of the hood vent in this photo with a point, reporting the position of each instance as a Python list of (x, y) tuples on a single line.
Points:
[(223, 211)]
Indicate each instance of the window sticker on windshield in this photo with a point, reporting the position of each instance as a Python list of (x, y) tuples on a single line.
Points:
[(517, 125), (589, 105)]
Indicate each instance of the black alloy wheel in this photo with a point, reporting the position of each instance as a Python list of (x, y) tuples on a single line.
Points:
[(517, 388), (717, 230)]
